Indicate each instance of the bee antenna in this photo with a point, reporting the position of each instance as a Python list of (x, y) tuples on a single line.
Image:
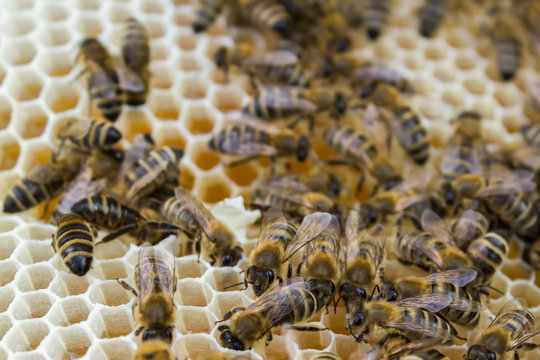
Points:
[(240, 283), (489, 287), (376, 287)]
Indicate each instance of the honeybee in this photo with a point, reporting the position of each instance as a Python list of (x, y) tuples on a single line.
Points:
[(532, 255), (396, 346), (365, 252), (279, 66), (150, 171), (487, 254), (212, 237), (431, 16), (41, 183), (154, 350), (507, 43), (136, 55), (326, 183), (464, 308), (155, 284), (431, 249), (469, 225), (412, 317), (466, 151), (205, 13), (403, 122), (87, 134), (290, 201), (141, 145), (361, 152), (297, 302), (319, 232), (267, 14), (265, 260), (74, 242), (504, 194), (276, 102), (325, 355), (257, 140), (507, 332), (375, 17)]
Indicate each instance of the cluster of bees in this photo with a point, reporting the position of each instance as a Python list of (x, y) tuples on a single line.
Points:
[(317, 245)]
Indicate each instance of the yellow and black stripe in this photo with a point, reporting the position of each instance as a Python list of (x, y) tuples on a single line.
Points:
[(232, 139), (101, 134), (268, 14), (414, 136), (176, 212), (487, 254), (92, 49), (74, 241), (136, 55), (105, 90), (375, 17), (105, 211), (206, 12), (431, 16), (433, 323), (516, 211), (267, 104), (350, 143)]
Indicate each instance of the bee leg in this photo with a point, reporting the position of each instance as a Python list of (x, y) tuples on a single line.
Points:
[(241, 161), (119, 232), (52, 243), (268, 338), (308, 328), (128, 287), (228, 315), (139, 330), (289, 271)]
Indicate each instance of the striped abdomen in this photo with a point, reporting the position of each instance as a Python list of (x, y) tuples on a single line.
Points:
[(268, 14), (349, 143), (375, 17), (431, 16), (430, 322), (206, 12), (101, 134), (469, 226), (413, 135), (177, 213), (92, 49), (105, 90), (508, 53), (307, 308), (409, 245), (516, 211), (468, 317), (267, 104), (265, 197), (234, 139), (487, 254), (105, 212), (515, 322), (460, 163), (74, 241), (135, 47), (375, 73)]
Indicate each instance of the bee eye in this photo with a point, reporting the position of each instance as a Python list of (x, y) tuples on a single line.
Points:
[(226, 260)]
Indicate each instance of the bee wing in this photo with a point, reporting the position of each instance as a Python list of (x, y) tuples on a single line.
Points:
[(413, 346), (376, 128), (273, 216), (312, 225), (44, 172), (281, 97), (274, 58), (448, 163), (156, 262), (522, 338), (506, 188), (465, 305), (418, 329), (430, 253), (430, 302), (433, 224), (405, 201), (457, 277), (146, 179), (129, 79), (196, 208), (378, 237), (288, 181), (253, 149), (466, 232)]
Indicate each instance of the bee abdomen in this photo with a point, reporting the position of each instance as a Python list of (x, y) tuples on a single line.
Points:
[(508, 57), (105, 211), (269, 14), (376, 17), (431, 15), (74, 242), (488, 253)]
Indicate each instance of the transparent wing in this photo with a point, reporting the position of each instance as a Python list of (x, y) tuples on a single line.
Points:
[(433, 224), (465, 305), (146, 179), (457, 277), (129, 79), (430, 302), (473, 160), (376, 128), (418, 329), (196, 208), (430, 253), (286, 98), (506, 188), (288, 181), (274, 58), (312, 225), (156, 268), (413, 346), (72, 126)]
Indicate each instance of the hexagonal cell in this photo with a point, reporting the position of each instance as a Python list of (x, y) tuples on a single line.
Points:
[(111, 269), (36, 232), (193, 293), (195, 346), (156, 29), (186, 42), (189, 62), (475, 86), (136, 122), (76, 341), (190, 268), (512, 124), (111, 323), (30, 121), (31, 305), (26, 335), (465, 62), (219, 278), (31, 252), (318, 340), (164, 105), (214, 189), (118, 13), (506, 95), (17, 25), (35, 154), (5, 112), (516, 270), (182, 19), (162, 77), (227, 98), (159, 51), (61, 96), (55, 35), (222, 303), (336, 321), (6, 297), (24, 85), (53, 12), (117, 349), (55, 63), (19, 5), (193, 87), (407, 42), (346, 345), (8, 269), (457, 39), (523, 289), (109, 293), (242, 175), (194, 320), (8, 243), (18, 51), (204, 159), (434, 52), (88, 4), (89, 25), (112, 250), (170, 135), (151, 7), (187, 178), (444, 73), (69, 311), (501, 283), (5, 325), (66, 284), (198, 119), (34, 277), (453, 97)]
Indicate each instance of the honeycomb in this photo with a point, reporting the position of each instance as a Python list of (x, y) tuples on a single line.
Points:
[(47, 313)]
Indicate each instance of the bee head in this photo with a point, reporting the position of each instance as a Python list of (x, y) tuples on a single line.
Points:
[(348, 291), (303, 148), (369, 214), (164, 334), (478, 352), (261, 278), (232, 257), (228, 340), (335, 185), (327, 67), (323, 290), (220, 57)]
